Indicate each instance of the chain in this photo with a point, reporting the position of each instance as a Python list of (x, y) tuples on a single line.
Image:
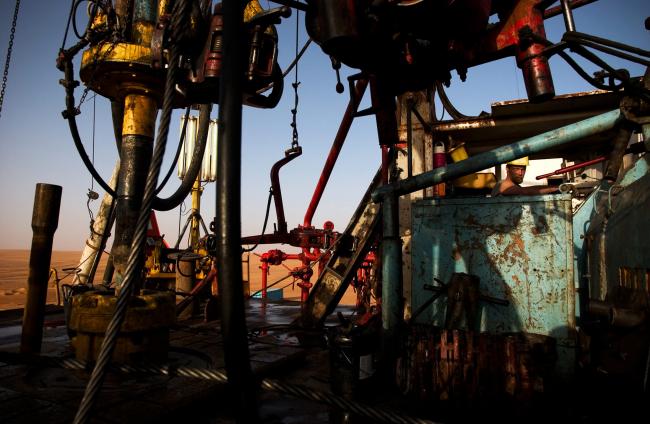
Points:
[(96, 60), (296, 83), (9, 49)]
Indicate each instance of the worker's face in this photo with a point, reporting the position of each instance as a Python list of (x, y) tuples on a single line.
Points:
[(516, 173)]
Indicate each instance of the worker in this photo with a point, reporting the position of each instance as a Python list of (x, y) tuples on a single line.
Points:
[(510, 186)]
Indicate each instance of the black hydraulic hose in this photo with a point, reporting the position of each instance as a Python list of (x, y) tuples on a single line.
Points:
[(266, 220), (610, 43), (614, 52), (297, 58), (94, 9), (117, 110), (70, 114), (453, 112), (181, 13), (177, 154), (571, 62), (195, 166), (615, 158)]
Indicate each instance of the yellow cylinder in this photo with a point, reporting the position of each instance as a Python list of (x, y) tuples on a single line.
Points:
[(458, 153), (143, 32), (139, 115), (196, 208)]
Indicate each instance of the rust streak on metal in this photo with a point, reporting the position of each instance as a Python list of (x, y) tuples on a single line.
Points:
[(464, 125)]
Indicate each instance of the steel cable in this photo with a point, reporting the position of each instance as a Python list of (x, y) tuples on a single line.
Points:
[(180, 13), (378, 415)]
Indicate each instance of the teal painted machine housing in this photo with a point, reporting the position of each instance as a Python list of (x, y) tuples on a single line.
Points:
[(521, 248), (618, 239)]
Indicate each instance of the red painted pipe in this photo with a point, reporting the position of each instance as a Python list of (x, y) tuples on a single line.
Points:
[(265, 271), (572, 167), (342, 133), (276, 257), (384, 164)]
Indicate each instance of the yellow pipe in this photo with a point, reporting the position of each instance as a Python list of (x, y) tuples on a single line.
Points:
[(139, 115), (196, 209), (143, 33)]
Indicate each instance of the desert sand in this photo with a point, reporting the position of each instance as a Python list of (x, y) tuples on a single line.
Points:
[(14, 271)]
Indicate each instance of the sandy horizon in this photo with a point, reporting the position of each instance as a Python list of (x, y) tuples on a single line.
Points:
[(14, 272)]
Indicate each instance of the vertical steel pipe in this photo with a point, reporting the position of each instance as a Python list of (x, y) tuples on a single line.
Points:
[(228, 208), (391, 280), (568, 15), (341, 134), (533, 64), (265, 273), (45, 219), (526, 147), (137, 146)]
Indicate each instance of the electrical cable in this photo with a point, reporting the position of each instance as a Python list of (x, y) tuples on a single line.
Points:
[(270, 285), (180, 14), (178, 152), (446, 103), (297, 58), (266, 219), (67, 26)]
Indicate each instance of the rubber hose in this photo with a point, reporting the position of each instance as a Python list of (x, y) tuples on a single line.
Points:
[(195, 166)]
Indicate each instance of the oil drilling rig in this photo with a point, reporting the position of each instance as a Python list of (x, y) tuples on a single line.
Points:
[(469, 301)]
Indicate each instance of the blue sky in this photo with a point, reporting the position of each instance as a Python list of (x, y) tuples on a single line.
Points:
[(36, 145)]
